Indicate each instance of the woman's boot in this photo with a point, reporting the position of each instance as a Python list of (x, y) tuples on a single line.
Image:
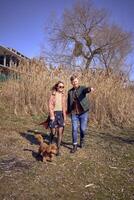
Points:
[(51, 138)]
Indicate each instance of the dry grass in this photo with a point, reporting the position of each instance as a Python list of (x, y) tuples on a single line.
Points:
[(102, 170), (111, 103)]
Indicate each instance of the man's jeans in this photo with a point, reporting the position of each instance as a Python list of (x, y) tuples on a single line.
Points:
[(82, 119)]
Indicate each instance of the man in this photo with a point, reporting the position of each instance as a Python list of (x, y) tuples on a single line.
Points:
[(78, 107)]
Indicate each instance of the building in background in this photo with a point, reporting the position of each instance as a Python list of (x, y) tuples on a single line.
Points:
[(9, 57)]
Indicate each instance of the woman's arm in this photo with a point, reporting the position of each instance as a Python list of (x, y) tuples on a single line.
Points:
[(64, 106), (51, 107)]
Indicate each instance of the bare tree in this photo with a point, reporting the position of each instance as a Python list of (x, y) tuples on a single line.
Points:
[(115, 46), (84, 34)]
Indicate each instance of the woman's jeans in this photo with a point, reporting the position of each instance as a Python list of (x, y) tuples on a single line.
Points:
[(77, 119)]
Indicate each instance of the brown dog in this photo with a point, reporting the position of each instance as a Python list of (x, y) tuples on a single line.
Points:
[(46, 151)]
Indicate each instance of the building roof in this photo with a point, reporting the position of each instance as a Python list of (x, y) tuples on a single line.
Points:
[(12, 52)]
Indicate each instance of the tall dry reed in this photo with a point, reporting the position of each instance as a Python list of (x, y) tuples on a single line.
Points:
[(111, 103)]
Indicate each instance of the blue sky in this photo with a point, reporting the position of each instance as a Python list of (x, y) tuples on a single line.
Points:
[(22, 22)]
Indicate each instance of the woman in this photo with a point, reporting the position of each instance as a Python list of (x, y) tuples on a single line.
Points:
[(57, 112)]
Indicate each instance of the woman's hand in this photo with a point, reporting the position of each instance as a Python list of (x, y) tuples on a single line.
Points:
[(52, 118), (92, 89)]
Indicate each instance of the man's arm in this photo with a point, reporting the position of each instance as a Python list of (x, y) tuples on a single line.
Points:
[(88, 89), (68, 103)]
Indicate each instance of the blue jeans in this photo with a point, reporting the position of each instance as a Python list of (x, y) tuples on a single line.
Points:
[(82, 119)]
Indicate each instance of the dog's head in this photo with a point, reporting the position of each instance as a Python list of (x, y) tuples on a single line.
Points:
[(52, 148)]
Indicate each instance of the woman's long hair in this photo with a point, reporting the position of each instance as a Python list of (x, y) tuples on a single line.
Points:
[(54, 88)]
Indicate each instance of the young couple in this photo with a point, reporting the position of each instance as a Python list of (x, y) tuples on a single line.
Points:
[(77, 107)]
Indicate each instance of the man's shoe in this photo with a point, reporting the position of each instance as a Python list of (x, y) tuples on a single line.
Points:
[(82, 143), (74, 149)]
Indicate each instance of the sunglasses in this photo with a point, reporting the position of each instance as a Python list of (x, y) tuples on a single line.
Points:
[(60, 86)]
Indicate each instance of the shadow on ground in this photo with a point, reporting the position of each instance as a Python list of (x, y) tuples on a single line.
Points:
[(30, 136), (34, 154), (119, 137)]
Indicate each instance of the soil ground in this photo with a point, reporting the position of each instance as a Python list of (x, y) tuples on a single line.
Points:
[(102, 170)]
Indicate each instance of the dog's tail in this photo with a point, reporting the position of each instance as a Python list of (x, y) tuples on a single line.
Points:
[(39, 138)]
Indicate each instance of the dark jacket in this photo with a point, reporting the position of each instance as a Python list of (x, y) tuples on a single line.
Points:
[(81, 92)]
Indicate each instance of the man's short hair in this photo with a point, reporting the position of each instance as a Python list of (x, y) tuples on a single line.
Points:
[(74, 76)]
